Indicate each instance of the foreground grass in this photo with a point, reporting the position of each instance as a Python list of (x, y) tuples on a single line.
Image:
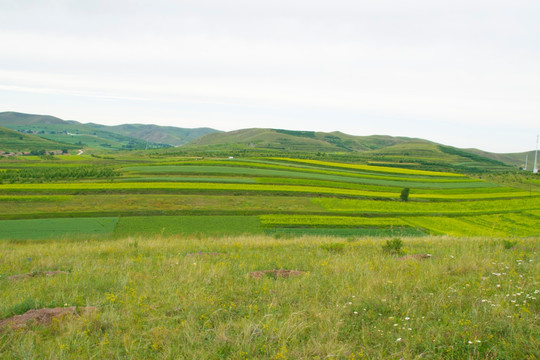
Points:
[(475, 298)]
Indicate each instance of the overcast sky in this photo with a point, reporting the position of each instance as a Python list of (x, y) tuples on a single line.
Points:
[(462, 73)]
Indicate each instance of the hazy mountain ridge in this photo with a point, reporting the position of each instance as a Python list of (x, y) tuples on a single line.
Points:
[(128, 136), (375, 148), (158, 134)]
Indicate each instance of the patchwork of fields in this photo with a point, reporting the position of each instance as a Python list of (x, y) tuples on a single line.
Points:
[(281, 196)]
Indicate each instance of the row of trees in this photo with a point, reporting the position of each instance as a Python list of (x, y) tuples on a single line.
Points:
[(37, 175)]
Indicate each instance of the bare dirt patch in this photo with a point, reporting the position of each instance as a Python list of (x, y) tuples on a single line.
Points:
[(281, 273), (35, 274), (415, 257), (43, 316)]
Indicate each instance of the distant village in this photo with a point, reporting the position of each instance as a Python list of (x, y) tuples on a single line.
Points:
[(35, 152)]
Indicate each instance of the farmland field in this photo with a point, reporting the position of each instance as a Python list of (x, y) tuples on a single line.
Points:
[(300, 195)]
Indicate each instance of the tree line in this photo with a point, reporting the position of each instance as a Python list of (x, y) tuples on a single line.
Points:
[(33, 175)]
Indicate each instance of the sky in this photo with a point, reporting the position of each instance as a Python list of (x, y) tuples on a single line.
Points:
[(461, 73)]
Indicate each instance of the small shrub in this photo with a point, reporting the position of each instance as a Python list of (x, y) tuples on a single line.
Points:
[(334, 247), (394, 246), (508, 244)]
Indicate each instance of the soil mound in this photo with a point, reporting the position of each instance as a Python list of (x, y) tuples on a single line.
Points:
[(415, 257), (42, 316), (283, 273), (34, 274)]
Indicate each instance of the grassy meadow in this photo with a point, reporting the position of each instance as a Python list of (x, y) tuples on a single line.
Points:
[(162, 247), (178, 297)]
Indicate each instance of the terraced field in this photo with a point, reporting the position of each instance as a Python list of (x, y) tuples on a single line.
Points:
[(282, 196)]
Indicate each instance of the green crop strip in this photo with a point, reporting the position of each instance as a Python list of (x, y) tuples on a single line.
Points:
[(171, 225), (346, 232), (247, 168), (313, 174), (378, 169), (339, 221), (500, 225), (367, 206), (35, 198), (193, 186), (34, 229)]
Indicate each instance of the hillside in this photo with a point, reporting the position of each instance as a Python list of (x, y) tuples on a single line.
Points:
[(377, 149), (290, 140), (157, 134), (516, 159), (121, 137), (14, 141)]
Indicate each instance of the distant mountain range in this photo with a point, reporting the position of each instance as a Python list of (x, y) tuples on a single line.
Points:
[(29, 132), (120, 137)]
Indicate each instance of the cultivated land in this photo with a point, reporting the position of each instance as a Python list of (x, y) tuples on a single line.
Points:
[(161, 245)]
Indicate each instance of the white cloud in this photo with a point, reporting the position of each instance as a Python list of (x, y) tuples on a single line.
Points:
[(446, 62)]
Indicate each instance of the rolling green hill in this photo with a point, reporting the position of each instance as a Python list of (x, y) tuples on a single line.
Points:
[(121, 137), (157, 134), (307, 141), (14, 141), (376, 149), (70, 132)]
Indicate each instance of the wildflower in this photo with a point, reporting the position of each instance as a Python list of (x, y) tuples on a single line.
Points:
[(407, 318), (398, 340)]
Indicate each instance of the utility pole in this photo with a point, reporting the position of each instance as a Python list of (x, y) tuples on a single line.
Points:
[(535, 167)]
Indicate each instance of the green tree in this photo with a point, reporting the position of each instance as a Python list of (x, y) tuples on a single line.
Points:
[(405, 194)]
